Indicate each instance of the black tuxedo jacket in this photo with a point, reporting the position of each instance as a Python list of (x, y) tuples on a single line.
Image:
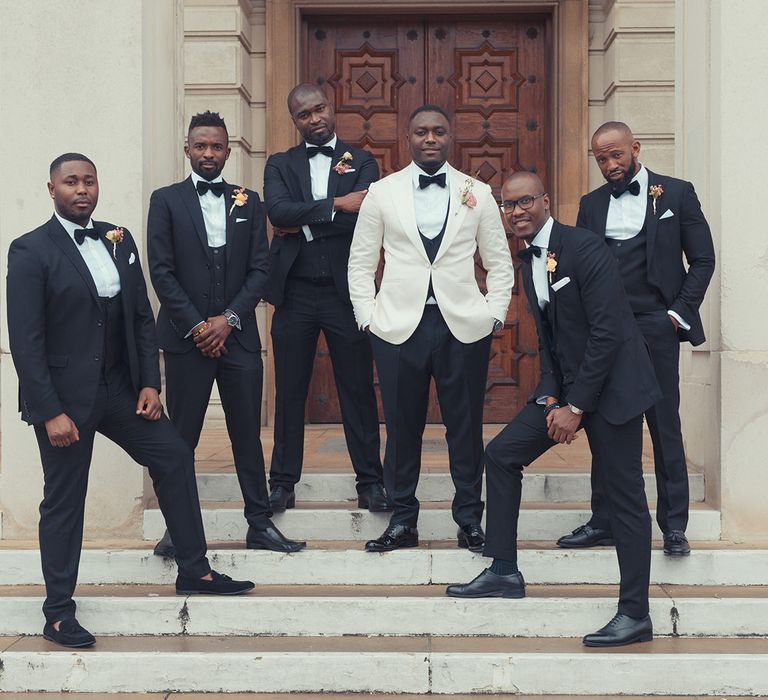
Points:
[(598, 360), (289, 202), (686, 232), (181, 269), (56, 328)]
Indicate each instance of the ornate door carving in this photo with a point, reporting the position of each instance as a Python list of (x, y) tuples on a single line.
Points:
[(491, 74)]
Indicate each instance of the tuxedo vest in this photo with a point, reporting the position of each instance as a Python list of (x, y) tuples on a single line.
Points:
[(313, 261), (114, 365), (631, 254), (431, 247), (217, 294)]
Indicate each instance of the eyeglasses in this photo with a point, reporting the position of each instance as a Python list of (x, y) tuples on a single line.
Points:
[(524, 203)]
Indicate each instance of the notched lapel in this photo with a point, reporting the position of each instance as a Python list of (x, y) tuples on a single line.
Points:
[(61, 238), (555, 246), (192, 201)]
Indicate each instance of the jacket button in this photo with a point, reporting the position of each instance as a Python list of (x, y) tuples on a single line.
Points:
[(96, 358), (205, 295), (100, 323)]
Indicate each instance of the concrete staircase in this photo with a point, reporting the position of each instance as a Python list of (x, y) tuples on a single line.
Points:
[(335, 619)]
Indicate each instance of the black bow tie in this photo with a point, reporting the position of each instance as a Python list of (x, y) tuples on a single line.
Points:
[(312, 151), (525, 254), (632, 188), (81, 233), (216, 188), (427, 180)]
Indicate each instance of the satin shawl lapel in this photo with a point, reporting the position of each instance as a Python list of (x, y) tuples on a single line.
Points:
[(603, 200), (555, 246), (230, 218), (526, 271), (651, 220), (192, 201), (402, 202), (334, 177), (61, 238), (119, 256), (300, 164), (456, 210)]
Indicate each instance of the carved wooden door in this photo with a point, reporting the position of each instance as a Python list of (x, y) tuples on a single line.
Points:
[(492, 75)]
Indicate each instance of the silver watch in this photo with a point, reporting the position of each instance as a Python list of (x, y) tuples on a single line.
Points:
[(576, 411), (231, 318)]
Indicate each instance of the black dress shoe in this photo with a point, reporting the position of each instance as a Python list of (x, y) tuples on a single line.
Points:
[(621, 630), (490, 585), (374, 498), (220, 585), (69, 634), (394, 537), (165, 547), (271, 538), (586, 536), (471, 537), (281, 499), (676, 544)]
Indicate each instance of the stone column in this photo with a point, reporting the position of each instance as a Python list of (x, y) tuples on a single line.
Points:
[(721, 142), (102, 78)]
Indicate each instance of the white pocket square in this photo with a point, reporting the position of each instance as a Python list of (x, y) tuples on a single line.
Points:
[(131, 259), (239, 221), (666, 215), (349, 170), (560, 284)]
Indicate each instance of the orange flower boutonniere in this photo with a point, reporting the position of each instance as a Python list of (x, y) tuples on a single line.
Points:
[(241, 198), (115, 236), (656, 191), (551, 264)]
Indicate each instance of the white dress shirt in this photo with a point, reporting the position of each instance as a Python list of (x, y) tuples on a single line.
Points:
[(626, 217), (319, 173), (539, 265), (97, 258), (431, 203), (214, 213)]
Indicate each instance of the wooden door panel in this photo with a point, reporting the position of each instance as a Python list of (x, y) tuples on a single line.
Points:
[(491, 74)]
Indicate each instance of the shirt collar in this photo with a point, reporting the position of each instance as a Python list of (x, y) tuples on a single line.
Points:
[(70, 227), (542, 237), (416, 171), (641, 177), (196, 178), (331, 143)]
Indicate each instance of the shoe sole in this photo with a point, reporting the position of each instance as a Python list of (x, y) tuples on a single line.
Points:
[(293, 550), (392, 549), (500, 594), (599, 543), (462, 544), (677, 554), (245, 590), (70, 646), (365, 506), (647, 637)]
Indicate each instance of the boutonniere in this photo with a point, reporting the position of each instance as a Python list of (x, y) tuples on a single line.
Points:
[(551, 264), (240, 197), (343, 165), (656, 191), (115, 236), (468, 198)]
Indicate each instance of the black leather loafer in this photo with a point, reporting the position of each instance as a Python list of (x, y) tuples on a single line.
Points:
[(271, 538), (471, 537), (220, 585), (490, 585), (281, 499), (620, 631), (69, 634), (374, 498), (165, 547), (586, 536), (394, 537), (676, 544)]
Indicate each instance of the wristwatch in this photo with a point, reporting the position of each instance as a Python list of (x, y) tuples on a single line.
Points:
[(231, 317), (576, 411), (497, 325)]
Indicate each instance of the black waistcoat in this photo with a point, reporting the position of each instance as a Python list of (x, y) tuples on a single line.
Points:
[(312, 262), (633, 265), (432, 246), (114, 365), (216, 297)]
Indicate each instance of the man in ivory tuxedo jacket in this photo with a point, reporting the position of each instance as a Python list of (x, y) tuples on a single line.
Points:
[(208, 260), (83, 342), (429, 318), (596, 373), (651, 222)]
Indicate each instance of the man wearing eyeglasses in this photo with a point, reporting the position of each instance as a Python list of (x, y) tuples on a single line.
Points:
[(596, 373), (429, 318), (650, 222)]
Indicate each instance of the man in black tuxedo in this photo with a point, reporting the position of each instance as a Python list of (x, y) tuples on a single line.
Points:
[(208, 261), (313, 193), (596, 373), (650, 222), (83, 342)]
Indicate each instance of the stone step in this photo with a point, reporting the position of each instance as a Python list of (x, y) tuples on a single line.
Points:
[(710, 563), (547, 486), (312, 696), (386, 665), (343, 521), (547, 611)]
